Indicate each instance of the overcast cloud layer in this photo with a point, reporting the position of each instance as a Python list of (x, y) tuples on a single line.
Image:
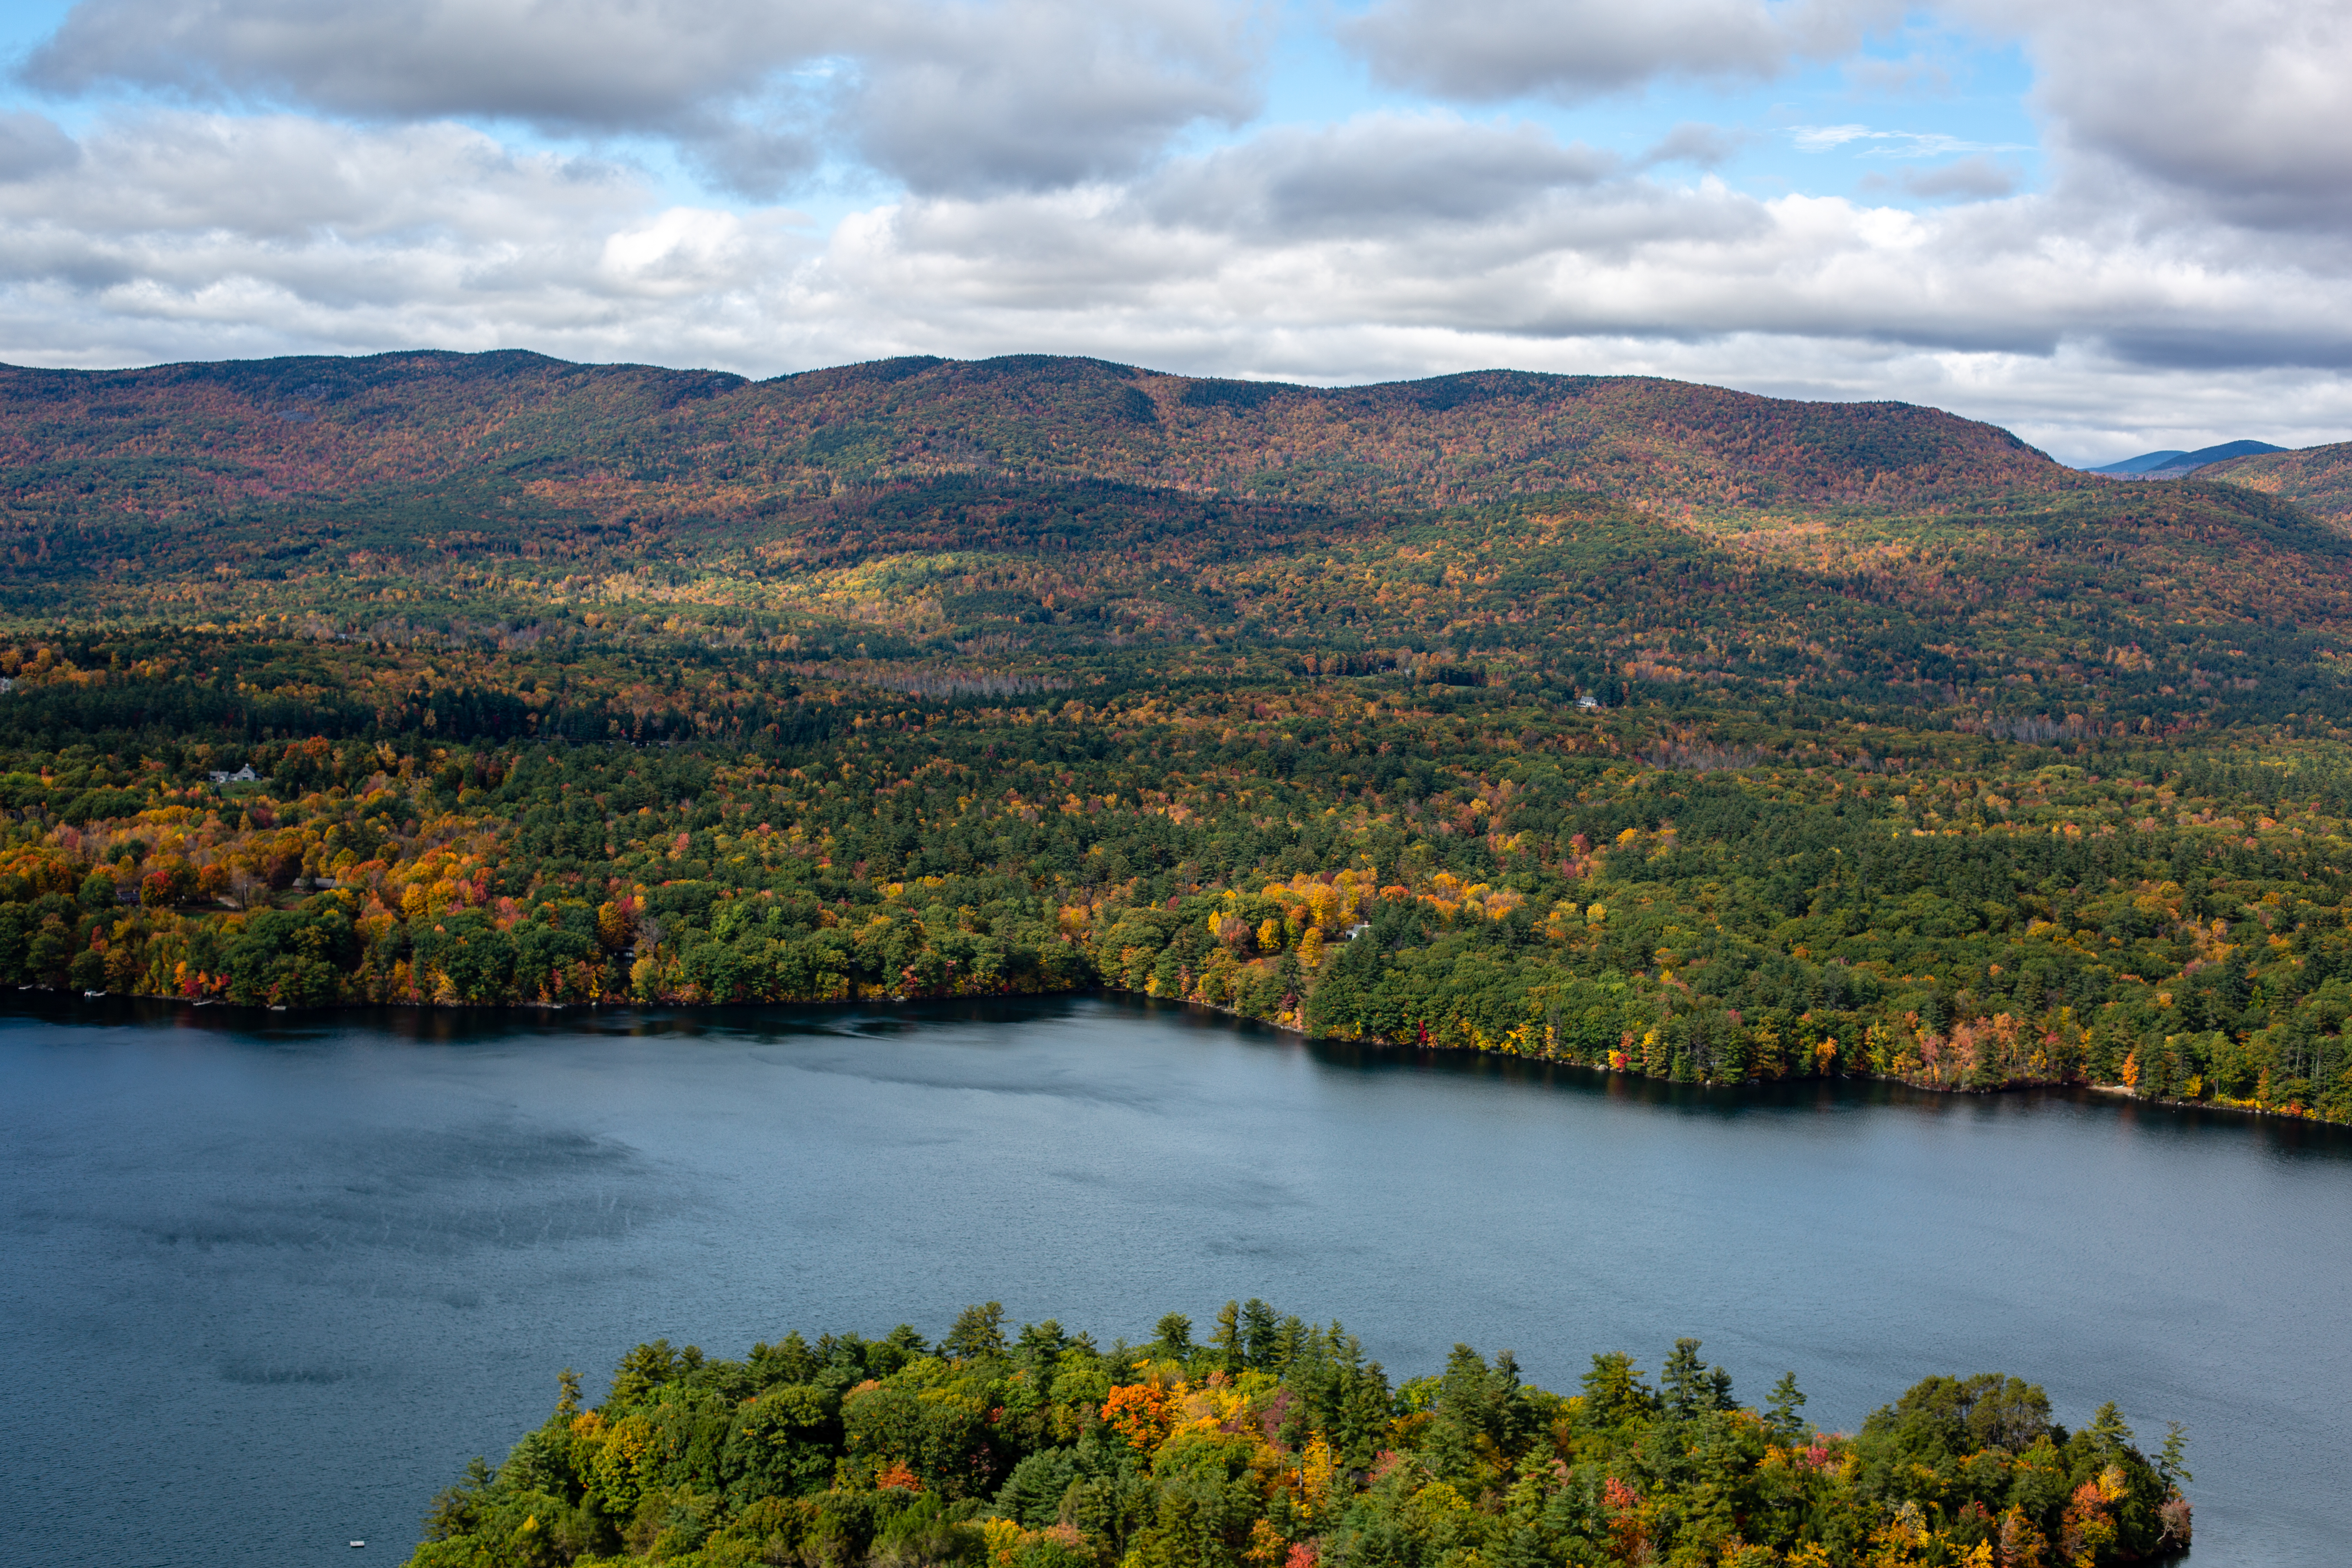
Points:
[(2157, 257)]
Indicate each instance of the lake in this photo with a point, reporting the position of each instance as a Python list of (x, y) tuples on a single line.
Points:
[(271, 1279)]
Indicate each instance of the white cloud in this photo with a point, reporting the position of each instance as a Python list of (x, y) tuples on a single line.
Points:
[(1577, 50), (1893, 143), (32, 145), (2238, 104), (1975, 179), (683, 253), (1694, 142), (209, 235), (607, 64), (1382, 173), (1393, 243), (945, 95), (1024, 94), (176, 179), (1824, 138)]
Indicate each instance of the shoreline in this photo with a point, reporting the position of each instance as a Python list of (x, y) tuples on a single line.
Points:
[(547, 1008)]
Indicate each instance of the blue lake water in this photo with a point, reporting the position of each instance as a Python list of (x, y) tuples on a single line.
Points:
[(268, 1282)]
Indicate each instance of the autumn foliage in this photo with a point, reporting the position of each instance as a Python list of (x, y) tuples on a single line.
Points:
[(1608, 722), (1280, 1445)]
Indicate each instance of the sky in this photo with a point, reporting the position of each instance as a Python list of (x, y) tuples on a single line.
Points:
[(2110, 228)]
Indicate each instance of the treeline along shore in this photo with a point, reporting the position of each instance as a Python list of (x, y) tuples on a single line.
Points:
[(1597, 720), (1491, 867), (1279, 1444)]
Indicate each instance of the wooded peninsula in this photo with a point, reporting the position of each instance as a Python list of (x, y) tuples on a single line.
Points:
[(1279, 1444)]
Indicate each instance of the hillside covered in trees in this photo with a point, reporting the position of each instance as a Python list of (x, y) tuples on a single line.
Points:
[(2318, 478), (1277, 1445), (1649, 727)]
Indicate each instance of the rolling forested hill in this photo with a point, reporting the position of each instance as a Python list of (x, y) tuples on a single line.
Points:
[(2318, 478), (1615, 720), (176, 435)]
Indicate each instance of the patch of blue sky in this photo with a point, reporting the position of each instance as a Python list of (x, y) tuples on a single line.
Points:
[(25, 25), (1870, 127), (1836, 129)]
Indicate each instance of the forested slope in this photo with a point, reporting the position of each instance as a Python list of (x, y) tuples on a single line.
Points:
[(1796, 738), (164, 440), (2318, 478)]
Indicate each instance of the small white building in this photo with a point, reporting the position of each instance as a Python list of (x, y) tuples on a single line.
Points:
[(243, 775)]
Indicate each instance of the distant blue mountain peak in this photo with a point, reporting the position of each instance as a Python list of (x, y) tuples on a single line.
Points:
[(2140, 464), (2171, 464)]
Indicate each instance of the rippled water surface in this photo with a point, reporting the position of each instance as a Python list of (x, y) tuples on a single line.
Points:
[(268, 1286)]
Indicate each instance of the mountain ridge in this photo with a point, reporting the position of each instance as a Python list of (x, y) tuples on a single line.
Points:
[(303, 426), (1022, 510)]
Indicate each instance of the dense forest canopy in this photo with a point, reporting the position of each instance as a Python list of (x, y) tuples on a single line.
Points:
[(1611, 720), (1273, 1442)]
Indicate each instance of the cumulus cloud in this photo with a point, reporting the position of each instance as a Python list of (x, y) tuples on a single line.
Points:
[(1381, 174), (1694, 142), (944, 94), (31, 144), (284, 225), (1032, 93), (607, 64), (207, 235), (1973, 179), (758, 156), (2242, 105), (1577, 50)]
